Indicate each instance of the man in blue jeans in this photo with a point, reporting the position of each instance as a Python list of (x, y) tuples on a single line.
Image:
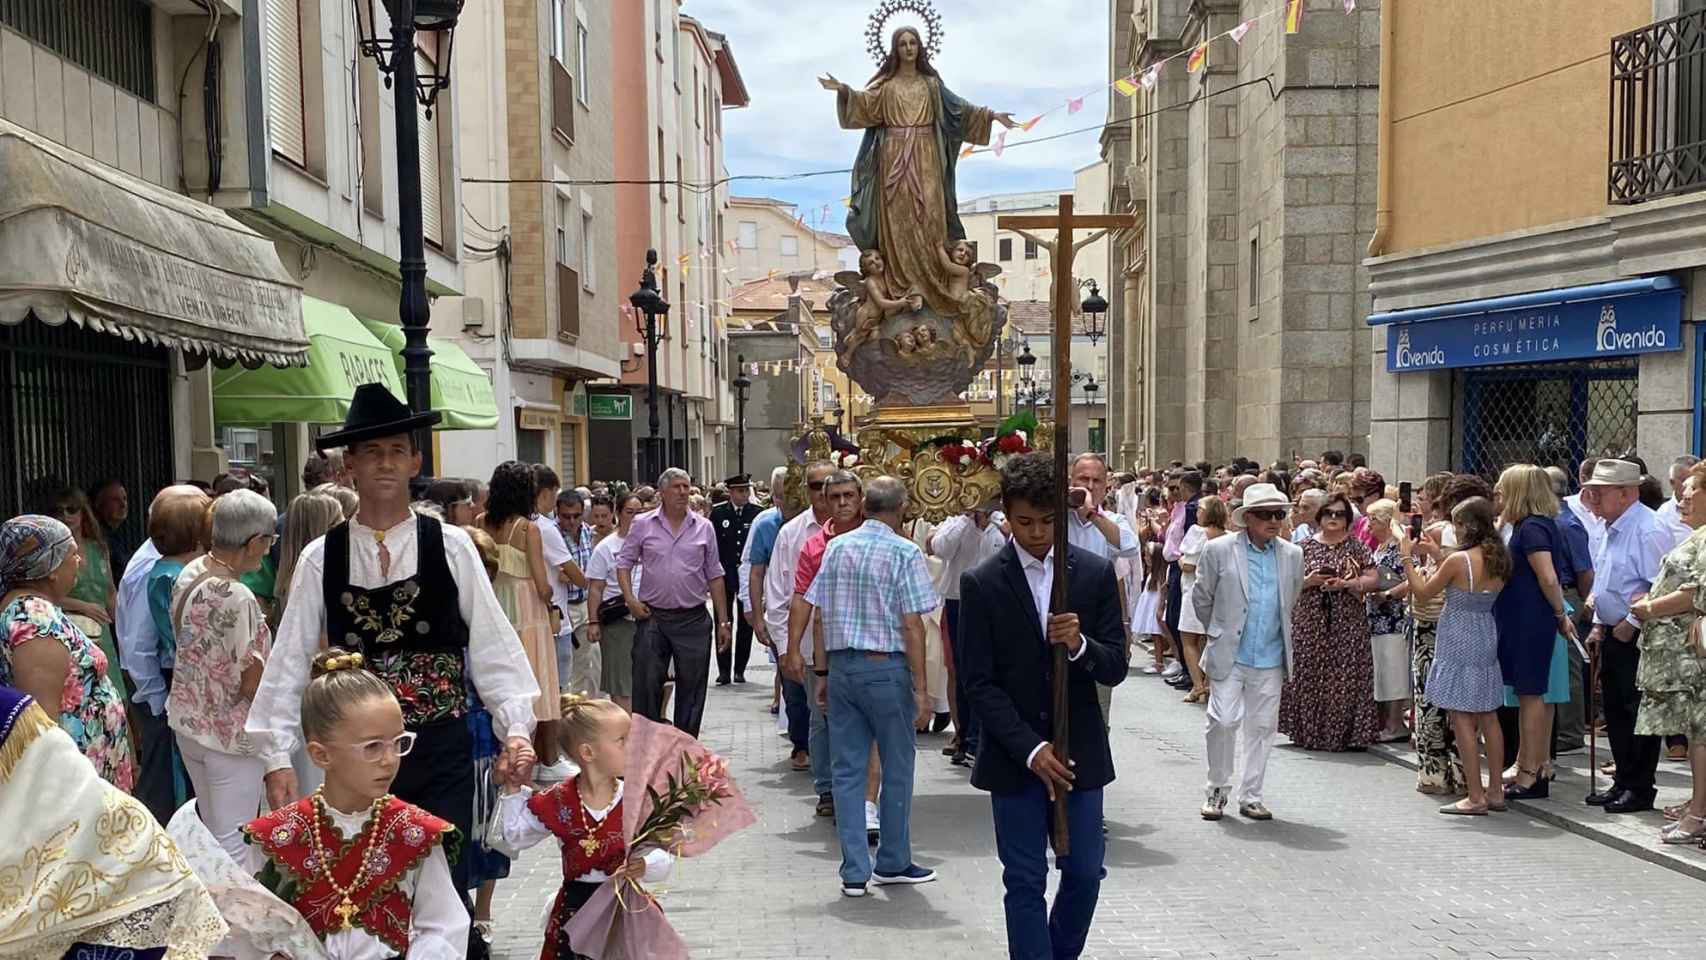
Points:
[(873, 589), (1005, 606)]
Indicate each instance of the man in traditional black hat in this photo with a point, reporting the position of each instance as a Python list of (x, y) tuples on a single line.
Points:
[(411, 595), (732, 519)]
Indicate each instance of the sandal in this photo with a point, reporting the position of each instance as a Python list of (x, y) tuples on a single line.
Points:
[(1675, 813), (1499, 807), (1676, 833), (1459, 810)]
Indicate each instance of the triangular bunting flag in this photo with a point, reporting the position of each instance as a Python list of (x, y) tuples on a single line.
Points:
[(1350, 6), (1151, 76), (1293, 16), (1198, 57), (1074, 105), (1028, 124), (966, 152), (848, 201), (1000, 142), (1237, 33), (1125, 86)]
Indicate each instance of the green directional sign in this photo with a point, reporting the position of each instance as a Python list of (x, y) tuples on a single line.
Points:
[(610, 406)]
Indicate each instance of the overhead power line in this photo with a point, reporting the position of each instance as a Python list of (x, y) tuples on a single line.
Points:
[(703, 186)]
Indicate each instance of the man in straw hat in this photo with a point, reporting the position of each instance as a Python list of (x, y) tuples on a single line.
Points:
[(1628, 562), (1246, 585), (410, 594)]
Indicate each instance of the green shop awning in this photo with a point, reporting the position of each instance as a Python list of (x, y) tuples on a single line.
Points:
[(460, 389), (342, 355)]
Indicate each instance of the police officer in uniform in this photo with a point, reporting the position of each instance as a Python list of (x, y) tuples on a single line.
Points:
[(732, 519)]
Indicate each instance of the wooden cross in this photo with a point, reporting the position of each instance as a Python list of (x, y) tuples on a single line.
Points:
[(1061, 253)]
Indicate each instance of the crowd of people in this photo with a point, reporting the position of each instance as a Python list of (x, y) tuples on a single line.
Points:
[(508, 622)]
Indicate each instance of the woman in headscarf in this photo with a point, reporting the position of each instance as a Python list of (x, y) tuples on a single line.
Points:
[(46, 655), (68, 830)]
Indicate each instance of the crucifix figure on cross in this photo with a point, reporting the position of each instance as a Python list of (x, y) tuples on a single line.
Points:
[(1061, 254)]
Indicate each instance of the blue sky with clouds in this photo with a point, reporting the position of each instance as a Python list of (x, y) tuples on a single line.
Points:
[(1022, 56)]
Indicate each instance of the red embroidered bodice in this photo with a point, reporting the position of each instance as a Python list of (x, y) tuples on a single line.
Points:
[(587, 844), (404, 837)]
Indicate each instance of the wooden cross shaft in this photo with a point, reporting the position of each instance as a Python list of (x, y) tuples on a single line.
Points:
[(1061, 254)]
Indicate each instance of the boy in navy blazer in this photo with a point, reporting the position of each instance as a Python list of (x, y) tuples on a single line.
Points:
[(1008, 636)]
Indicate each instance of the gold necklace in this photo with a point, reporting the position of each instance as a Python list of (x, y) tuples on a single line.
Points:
[(346, 908)]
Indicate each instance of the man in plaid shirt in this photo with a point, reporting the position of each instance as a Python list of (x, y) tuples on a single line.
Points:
[(874, 589)]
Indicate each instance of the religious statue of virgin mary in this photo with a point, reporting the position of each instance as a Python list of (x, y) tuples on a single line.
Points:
[(919, 308)]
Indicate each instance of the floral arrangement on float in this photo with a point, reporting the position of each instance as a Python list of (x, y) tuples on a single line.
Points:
[(1012, 438)]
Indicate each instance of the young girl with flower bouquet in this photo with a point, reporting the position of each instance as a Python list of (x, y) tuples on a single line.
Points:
[(583, 813), (646, 794), (367, 871)]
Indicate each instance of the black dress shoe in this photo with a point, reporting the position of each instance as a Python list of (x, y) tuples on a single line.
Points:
[(722, 681), (1630, 802), (939, 723), (1602, 797), (740, 678)]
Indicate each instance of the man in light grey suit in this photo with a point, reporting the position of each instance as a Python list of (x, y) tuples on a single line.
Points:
[(1246, 585)]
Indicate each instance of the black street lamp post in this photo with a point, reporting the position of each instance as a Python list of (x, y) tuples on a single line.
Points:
[(742, 383), (648, 301), (1026, 360), (395, 57), (1093, 307)]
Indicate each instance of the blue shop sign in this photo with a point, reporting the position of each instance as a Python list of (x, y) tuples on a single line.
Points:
[(1616, 319)]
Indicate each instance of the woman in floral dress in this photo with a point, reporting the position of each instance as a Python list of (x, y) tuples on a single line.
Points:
[(1328, 703), (223, 642), (46, 656), (1671, 674)]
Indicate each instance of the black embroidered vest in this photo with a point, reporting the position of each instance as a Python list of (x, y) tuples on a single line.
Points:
[(410, 631)]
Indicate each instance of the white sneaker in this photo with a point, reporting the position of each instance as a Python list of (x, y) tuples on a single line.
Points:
[(872, 822), (1214, 807), (1174, 668), (556, 772)]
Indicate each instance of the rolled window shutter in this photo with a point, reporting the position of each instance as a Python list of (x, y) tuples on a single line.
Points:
[(432, 218), (286, 123)]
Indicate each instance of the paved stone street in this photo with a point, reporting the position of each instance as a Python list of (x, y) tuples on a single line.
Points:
[(1356, 864)]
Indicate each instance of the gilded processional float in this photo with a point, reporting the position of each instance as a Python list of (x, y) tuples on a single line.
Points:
[(919, 319)]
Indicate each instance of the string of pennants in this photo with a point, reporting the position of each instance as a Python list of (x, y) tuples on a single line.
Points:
[(1195, 59)]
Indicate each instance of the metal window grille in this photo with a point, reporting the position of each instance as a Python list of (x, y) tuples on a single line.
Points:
[(78, 407), (1549, 414), (114, 39), (1658, 109)]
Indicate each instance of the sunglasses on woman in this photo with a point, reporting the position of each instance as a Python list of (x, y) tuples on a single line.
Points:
[(1335, 515)]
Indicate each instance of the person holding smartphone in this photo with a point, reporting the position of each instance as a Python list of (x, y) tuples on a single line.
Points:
[(1328, 701)]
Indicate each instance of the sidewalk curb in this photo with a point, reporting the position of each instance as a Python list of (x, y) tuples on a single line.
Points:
[(1658, 856)]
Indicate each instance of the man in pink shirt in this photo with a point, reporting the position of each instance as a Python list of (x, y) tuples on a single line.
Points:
[(678, 550)]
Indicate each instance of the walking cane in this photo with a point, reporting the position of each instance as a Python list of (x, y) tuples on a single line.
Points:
[(1593, 684)]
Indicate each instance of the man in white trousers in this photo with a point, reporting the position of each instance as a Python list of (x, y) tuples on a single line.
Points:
[(1246, 585)]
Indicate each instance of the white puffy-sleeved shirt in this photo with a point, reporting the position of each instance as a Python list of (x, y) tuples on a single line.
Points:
[(496, 664), (515, 828)]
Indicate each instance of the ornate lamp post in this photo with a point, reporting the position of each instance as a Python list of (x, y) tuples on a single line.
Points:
[(742, 383), (1026, 360), (1094, 308), (395, 57), (648, 302)]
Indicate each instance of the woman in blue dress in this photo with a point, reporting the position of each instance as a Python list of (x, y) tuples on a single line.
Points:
[(1533, 620), (1465, 677)]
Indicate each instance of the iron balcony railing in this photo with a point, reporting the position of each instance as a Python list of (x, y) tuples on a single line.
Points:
[(1658, 110)]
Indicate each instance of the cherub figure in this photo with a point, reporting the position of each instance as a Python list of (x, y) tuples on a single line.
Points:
[(976, 308), (906, 344), (876, 302)]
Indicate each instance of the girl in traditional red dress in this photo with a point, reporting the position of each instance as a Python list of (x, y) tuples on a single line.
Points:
[(583, 813), (367, 871)]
